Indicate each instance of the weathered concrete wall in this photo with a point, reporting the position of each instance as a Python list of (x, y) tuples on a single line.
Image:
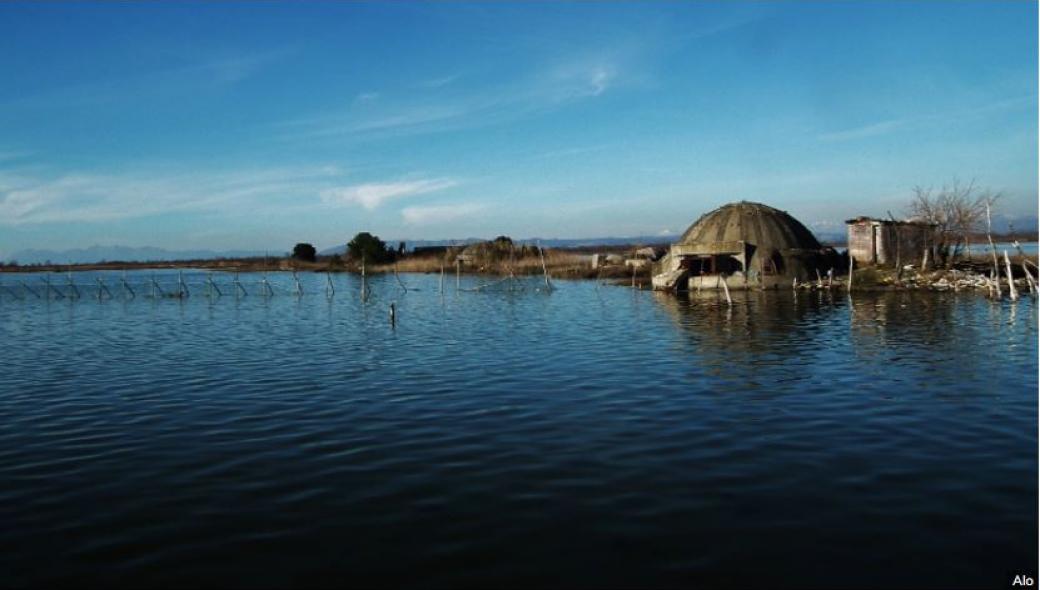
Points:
[(737, 240), (861, 242), (883, 243)]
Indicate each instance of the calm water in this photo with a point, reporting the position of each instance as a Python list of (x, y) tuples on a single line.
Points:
[(983, 248), (596, 436)]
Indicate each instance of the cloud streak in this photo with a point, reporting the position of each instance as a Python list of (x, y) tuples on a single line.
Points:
[(543, 88), (435, 214), (213, 72), (374, 194), (881, 128), (862, 132), (29, 197)]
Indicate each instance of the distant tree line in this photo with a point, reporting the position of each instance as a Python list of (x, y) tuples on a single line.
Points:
[(370, 249), (305, 252)]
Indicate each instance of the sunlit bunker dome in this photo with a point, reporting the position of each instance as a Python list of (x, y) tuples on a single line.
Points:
[(747, 244)]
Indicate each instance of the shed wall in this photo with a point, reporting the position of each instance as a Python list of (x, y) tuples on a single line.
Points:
[(884, 243), (861, 242)]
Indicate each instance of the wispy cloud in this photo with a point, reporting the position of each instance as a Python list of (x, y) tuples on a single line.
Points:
[(13, 155), (887, 126), (544, 87), (215, 71), (437, 82), (228, 70), (434, 214), (372, 195), (574, 151), (583, 78), (864, 131), (30, 196)]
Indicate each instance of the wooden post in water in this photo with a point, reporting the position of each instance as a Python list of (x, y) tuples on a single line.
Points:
[(364, 283), (30, 289), (1012, 291), (126, 286), (993, 249), (1030, 280), (15, 293), (440, 286), (545, 270), (102, 289), (393, 315), (297, 289), (398, 277), (155, 287), (330, 289), (57, 293), (851, 260), (213, 286), (73, 291), (458, 275), (725, 288), (265, 287)]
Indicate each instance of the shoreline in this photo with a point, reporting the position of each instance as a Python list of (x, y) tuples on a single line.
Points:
[(969, 274)]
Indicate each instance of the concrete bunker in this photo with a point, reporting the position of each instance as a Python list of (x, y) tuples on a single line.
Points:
[(747, 245)]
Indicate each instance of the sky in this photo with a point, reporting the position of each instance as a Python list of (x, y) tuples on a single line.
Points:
[(255, 126)]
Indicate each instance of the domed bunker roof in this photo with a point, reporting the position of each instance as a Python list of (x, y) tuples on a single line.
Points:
[(754, 223)]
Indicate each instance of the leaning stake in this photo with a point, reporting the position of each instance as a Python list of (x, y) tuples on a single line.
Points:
[(1011, 280)]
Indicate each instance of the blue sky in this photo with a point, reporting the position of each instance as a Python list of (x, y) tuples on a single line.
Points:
[(232, 125)]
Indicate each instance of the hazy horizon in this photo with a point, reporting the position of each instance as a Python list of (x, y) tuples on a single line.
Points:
[(234, 126)]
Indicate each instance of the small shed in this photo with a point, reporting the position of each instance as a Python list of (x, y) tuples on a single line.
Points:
[(884, 241)]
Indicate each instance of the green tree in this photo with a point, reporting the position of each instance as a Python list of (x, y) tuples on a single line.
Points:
[(371, 248), (304, 252)]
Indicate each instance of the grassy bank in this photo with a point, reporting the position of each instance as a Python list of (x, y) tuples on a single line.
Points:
[(558, 263)]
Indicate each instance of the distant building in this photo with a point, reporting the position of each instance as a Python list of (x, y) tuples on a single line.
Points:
[(883, 241)]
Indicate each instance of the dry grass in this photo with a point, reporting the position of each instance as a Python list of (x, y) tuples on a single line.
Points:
[(558, 264)]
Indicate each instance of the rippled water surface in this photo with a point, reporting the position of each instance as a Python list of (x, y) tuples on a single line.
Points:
[(594, 436)]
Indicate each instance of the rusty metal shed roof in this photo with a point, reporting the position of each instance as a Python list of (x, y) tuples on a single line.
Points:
[(757, 224)]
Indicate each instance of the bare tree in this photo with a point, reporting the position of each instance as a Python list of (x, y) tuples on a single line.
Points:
[(957, 211)]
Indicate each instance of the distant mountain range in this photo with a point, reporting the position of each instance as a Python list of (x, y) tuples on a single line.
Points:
[(831, 233), (547, 242), (121, 254), (1001, 224), (96, 253)]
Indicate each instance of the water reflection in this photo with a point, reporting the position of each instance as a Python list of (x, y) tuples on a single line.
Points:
[(663, 440), (771, 323)]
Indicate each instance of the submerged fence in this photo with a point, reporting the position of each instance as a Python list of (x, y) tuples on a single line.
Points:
[(101, 288)]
